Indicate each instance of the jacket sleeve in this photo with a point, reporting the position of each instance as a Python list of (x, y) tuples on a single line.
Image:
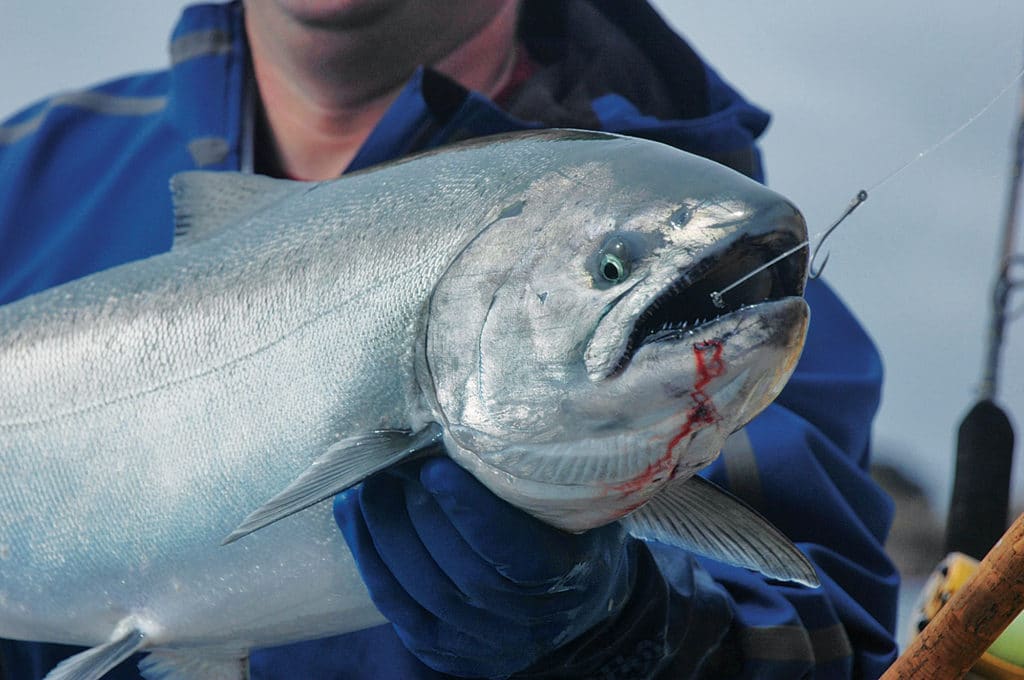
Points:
[(803, 463)]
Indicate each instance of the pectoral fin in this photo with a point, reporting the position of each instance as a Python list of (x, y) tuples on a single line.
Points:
[(345, 464), (94, 663), (701, 517)]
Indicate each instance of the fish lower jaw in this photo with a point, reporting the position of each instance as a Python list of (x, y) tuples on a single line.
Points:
[(771, 322)]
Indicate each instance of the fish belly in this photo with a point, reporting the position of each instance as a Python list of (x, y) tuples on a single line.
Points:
[(115, 511)]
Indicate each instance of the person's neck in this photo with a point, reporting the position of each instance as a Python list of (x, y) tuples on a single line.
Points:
[(322, 90)]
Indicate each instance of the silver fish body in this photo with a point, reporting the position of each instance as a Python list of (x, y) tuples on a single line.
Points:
[(146, 409)]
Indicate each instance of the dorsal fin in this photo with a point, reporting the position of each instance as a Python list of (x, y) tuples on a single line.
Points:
[(205, 202)]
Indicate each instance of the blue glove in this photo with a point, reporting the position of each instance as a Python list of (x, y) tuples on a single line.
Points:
[(472, 585)]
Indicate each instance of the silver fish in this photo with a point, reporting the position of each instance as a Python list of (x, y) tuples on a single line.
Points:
[(536, 305)]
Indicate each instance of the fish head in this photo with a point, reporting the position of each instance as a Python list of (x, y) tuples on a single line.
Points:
[(576, 357)]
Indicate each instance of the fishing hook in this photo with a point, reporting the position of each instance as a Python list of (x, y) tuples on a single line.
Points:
[(717, 295), (815, 272)]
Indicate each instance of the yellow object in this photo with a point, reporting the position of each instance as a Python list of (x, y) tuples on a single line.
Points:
[(998, 663)]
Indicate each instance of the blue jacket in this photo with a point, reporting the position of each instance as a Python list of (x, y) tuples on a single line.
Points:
[(83, 187)]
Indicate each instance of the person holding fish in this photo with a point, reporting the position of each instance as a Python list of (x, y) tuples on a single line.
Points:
[(309, 90)]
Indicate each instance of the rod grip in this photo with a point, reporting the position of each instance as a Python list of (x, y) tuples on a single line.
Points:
[(973, 618)]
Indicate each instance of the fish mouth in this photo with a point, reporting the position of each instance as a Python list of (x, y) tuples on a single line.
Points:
[(688, 303)]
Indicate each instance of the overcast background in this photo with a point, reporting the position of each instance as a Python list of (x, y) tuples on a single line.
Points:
[(856, 90)]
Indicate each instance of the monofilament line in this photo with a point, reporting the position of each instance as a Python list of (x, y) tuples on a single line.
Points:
[(716, 296), (951, 135)]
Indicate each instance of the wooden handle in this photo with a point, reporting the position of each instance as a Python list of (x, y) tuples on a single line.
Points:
[(971, 621)]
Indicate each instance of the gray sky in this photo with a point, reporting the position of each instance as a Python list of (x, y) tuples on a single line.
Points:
[(856, 89)]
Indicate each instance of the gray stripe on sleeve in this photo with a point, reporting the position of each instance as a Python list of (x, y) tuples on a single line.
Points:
[(199, 44), (831, 643), (9, 134), (741, 467), (795, 643), (89, 100), (208, 150), (110, 104), (777, 643)]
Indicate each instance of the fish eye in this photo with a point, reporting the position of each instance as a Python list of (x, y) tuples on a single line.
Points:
[(614, 263), (612, 268), (680, 217)]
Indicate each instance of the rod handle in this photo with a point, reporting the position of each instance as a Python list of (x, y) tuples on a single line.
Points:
[(973, 618)]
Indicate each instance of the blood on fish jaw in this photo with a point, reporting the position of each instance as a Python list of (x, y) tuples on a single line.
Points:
[(707, 356), (703, 411)]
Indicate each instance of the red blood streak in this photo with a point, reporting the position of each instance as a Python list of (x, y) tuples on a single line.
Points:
[(703, 412)]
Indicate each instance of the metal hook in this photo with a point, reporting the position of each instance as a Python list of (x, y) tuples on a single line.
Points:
[(815, 272)]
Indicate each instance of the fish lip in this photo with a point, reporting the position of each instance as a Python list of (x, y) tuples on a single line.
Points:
[(685, 305)]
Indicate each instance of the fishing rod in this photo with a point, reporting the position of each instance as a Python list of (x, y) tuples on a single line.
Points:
[(981, 609), (973, 618), (984, 457)]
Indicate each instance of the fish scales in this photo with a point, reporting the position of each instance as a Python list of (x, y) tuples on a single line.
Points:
[(148, 408), (116, 390)]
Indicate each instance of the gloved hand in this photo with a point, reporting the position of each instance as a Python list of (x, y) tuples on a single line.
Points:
[(472, 585)]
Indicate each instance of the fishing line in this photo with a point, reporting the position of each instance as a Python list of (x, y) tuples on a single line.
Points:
[(860, 197)]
